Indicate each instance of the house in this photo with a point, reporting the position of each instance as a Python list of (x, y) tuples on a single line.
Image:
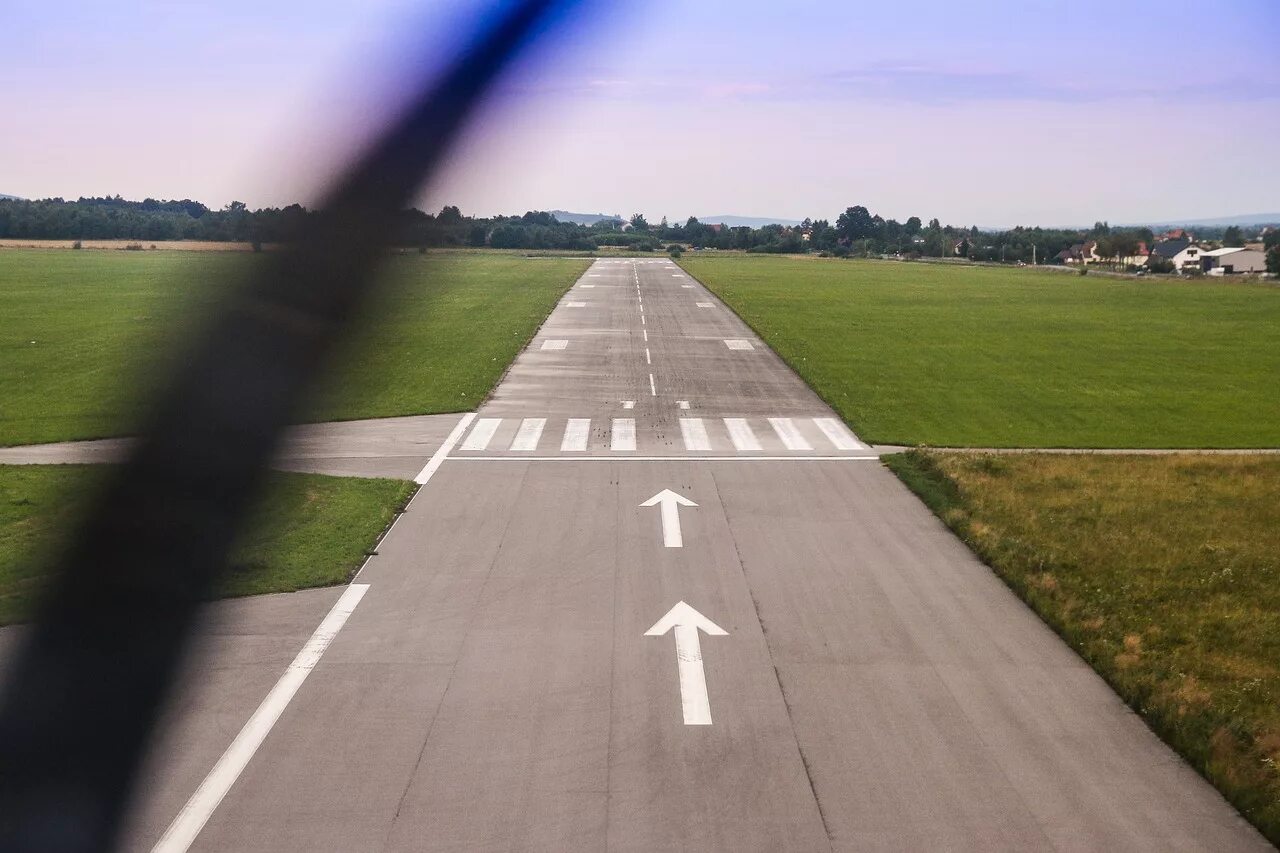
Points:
[(1080, 253), (1139, 257), (1167, 250), (1233, 260), (1188, 258), (1176, 234)]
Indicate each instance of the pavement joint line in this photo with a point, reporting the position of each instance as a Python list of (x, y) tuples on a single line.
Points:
[(188, 823)]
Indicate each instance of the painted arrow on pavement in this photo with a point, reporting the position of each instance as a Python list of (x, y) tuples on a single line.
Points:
[(670, 503), (687, 622)]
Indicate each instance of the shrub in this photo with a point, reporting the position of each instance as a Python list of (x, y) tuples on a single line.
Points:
[(1084, 270), (133, 247), (77, 245), (256, 245), (675, 250), (840, 251)]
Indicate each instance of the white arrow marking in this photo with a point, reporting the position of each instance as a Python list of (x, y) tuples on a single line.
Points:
[(693, 678), (670, 503)]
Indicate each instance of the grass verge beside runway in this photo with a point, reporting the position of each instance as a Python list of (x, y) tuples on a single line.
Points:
[(85, 334), (964, 356), (1163, 572), (309, 531)]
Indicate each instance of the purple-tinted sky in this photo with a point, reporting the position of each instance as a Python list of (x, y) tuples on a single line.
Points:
[(981, 112)]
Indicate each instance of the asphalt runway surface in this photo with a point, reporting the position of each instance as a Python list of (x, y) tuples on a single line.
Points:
[(654, 595)]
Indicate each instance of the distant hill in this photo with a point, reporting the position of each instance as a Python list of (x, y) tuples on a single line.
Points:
[(10, 197), (584, 218), (1219, 222), (747, 221)]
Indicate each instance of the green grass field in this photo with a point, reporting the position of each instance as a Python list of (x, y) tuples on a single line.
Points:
[(1161, 571), (913, 353), (308, 531), (86, 333)]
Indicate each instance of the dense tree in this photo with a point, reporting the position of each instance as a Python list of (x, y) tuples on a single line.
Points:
[(1231, 236)]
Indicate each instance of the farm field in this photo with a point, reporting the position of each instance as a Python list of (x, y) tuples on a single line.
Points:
[(309, 530), (1160, 571), (87, 333), (925, 354)]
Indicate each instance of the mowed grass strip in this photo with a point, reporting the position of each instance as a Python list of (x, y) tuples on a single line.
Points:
[(87, 334), (964, 356), (309, 530), (1163, 572)]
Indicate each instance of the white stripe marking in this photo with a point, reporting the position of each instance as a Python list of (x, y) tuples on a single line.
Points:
[(529, 434), (791, 437), (628, 404), (586, 285), (688, 286), (196, 813), (738, 343), (704, 305), (694, 432), (646, 335), (554, 344), (642, 318), (839, 436), (575, 305), (684, 404), (677, 275), (673, 456), (575, 434), (741, 435), (481, 435), (442, 451), (653, 391), (623, 435), (647, 358)]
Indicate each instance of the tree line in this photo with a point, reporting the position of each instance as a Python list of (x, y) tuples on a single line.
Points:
[(856, 231)]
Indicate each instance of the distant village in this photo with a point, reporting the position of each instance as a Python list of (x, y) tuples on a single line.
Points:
[(1178, 251)]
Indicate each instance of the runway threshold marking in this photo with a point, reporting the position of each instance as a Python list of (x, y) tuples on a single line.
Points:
[(180, 835), (669, 503), (623, 434), (687, 622)]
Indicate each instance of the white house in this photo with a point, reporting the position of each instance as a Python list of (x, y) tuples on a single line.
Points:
[(1188, 257), (1228, 261)]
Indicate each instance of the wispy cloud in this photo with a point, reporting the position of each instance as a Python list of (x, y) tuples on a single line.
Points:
[(924, 83)]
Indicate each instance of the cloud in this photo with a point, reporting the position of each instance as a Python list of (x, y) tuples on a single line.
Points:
[(929, 84)]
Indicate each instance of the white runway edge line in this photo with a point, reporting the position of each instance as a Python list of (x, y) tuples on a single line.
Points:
[(180, 835), (443, 450)]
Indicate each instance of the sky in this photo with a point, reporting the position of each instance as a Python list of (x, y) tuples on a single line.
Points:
[(988, 113)]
